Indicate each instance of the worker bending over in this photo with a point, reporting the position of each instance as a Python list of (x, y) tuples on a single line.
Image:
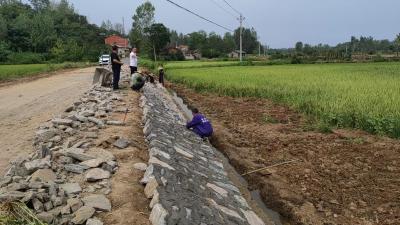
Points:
[(137, 81), (200, 124)]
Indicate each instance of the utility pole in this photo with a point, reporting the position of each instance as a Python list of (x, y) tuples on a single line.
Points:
[(259, 49), (241, 19)]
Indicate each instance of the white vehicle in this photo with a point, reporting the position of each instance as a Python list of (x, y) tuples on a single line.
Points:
[(104, 60)]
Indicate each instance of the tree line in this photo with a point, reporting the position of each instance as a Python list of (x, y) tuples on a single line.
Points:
[(363, 48), (44, 30), (155, 39), (212, 45)]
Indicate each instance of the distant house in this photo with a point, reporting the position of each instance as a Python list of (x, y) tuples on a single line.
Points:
[(236, 54), (183, 48), (122, 43), (172, 50), (189, 55), (197, 54)]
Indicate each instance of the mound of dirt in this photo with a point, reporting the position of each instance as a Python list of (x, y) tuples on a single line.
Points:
[(346, 177)]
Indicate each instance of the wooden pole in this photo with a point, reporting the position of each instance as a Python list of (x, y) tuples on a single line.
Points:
[(275, 165)]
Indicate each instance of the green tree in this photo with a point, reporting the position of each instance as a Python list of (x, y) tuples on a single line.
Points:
[(36, 27), (39, 5), (64, 8), (119, 28), (158, 38), (214, 46), (229, 42), (19, 33), (4, 51), (299, 47), (174, 38), (67, 51), (107, 25), (142, 19), (3, 28), (250, 43), (308, 50), (42, 33), (397, 41), (196, 40)]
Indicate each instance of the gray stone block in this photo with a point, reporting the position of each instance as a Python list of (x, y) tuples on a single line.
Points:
[(75, 168), (71, 188), (97, 174), (83, 214), (98, 202)]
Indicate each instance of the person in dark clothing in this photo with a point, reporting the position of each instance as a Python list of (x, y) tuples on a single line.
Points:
[(116, 66), (200, 125), (161, 75)]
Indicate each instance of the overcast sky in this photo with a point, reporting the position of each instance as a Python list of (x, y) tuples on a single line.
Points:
[(279, 23)]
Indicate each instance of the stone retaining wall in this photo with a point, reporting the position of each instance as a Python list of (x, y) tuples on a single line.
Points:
[(186, 179)]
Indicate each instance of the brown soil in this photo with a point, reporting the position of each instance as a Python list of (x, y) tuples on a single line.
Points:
[(347, 177), (130, 206)]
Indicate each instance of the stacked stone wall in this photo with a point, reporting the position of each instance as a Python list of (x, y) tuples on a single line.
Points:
[(186, 179)]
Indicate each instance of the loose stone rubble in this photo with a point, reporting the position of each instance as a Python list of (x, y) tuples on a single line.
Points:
[(185, 178), (51, 181)]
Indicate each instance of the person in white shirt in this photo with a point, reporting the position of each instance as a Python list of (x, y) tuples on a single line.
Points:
[(133, 61)]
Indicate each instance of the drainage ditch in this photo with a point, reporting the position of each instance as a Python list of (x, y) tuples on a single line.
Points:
[(253, 197)]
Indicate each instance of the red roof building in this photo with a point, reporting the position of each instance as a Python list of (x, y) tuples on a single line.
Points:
[(117, 40)]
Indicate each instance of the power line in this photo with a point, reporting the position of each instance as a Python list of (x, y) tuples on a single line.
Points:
[(201, 17), (232, 7), (227, 11)]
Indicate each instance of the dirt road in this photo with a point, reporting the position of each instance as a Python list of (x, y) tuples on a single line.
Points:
[(24, 106)]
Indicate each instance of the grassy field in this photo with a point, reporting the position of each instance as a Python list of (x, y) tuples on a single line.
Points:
[(10, 72), (364, 96)]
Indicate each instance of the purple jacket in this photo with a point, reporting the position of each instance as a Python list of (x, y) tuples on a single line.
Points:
[(200, 125)]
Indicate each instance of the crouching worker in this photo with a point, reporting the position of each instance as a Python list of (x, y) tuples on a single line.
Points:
[(137, 81), (200, 124)]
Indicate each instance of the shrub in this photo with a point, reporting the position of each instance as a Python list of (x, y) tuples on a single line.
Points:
[(378, 58), (25, 58), (4, 52), (176, 55), (147, 64), (67, 51), (296, 60)]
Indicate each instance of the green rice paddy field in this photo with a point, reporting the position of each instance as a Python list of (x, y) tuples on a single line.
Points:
[(364, 96)]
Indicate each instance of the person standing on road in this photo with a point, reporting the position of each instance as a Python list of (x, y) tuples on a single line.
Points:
[(116, 66), (161, 75), (133, 61), (200, 125)]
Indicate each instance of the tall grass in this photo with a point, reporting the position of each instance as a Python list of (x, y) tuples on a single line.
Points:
[(364, 96)]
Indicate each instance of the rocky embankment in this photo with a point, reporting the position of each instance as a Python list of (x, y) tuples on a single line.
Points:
[(186, 179), (68, 177)]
